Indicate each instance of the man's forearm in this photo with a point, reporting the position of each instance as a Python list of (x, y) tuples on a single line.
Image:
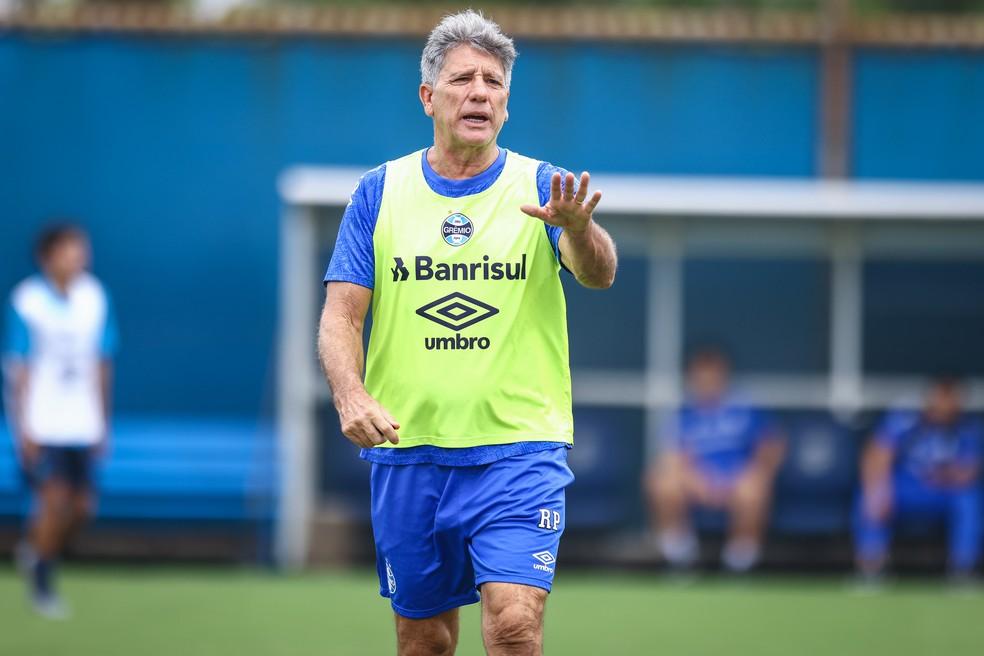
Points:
[(590, 255), (769, 456), (341, 354), (18, 396), (363, 420), (963, 475), (876, 469), (106, 388)]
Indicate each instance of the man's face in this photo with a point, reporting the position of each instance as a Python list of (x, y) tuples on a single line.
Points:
[(468, 101), (943, 403), (67, 259), (708, 379)]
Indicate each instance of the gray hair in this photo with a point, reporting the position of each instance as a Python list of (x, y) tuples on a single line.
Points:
[(469, 28)]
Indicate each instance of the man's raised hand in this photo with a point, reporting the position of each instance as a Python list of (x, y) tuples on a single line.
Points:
[(566, 209)]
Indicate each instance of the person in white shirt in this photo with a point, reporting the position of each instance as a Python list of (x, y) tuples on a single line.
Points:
[(61, 337)]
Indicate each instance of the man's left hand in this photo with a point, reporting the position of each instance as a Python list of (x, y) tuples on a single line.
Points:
[(566, 209)]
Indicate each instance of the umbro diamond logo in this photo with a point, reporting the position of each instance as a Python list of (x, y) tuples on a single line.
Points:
[(457, 311), (545, 557)]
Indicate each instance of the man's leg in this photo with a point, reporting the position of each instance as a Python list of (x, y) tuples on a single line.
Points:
[(81, 505), (421, 557), (54, 516), (512, 619), (873, 533), (666, 489), (83, 501), (964, 529), (749, 509), (432, 636), (872, 536), (667, 498), (517, 515)]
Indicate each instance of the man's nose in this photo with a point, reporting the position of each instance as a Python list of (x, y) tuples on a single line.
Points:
[(478, 89)]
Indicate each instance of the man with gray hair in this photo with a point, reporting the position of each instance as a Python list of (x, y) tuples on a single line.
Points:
[(465, 408)]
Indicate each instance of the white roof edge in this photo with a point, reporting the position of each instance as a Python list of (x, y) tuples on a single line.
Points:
[(654, 195)]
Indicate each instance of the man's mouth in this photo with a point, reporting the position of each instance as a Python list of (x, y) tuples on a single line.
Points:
[(476, 118)]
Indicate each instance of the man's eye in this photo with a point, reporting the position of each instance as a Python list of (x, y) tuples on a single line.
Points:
[(493, 81)]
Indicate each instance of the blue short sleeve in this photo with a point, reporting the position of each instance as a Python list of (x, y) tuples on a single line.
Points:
[(544, 173), (353, 259), (971, 443), (111, 335), (17, 342), (895, 424)]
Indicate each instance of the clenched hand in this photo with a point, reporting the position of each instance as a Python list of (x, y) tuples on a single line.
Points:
[(365, 422)]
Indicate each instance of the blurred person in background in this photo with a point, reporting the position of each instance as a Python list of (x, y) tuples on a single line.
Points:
[(924, 464), (717, 453), (469, 495), (61, 337)]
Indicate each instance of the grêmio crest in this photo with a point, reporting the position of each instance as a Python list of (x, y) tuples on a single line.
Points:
[(457, 229)]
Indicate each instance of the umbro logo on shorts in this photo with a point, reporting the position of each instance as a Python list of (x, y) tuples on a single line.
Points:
[(546, 559)]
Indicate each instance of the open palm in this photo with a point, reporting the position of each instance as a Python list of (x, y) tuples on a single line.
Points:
[(566, 208)]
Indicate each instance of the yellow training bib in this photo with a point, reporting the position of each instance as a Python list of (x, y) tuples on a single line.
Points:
[(469, 337)]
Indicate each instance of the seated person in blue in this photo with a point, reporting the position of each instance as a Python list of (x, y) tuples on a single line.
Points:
[(922, 464), (717, 453)]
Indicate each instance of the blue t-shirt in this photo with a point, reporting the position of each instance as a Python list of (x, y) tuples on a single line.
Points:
[(922, 448), (721, 438), (353, 261)]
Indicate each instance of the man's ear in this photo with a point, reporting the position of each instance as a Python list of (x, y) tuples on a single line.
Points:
[(426, 95)]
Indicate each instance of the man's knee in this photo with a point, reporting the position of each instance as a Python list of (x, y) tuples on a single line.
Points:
[(665, 485), (56, 500), (514, 626), (83, 506), (514, 620), (434, 636), (430, 644), (751, 495)]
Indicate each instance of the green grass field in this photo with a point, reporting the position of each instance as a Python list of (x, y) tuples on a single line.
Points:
[(218, 612)]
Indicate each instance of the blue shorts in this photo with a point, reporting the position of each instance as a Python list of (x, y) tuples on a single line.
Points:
[(71, 465), (441, 532)]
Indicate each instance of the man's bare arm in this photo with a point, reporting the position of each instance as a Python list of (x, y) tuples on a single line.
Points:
[(876, 465), (106, 389), (590, 255), (876, 479), (19, 377), (363, 420), (769, 456)]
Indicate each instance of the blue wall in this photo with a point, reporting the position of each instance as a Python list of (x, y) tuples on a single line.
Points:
[(168, 150), (918, 115)]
